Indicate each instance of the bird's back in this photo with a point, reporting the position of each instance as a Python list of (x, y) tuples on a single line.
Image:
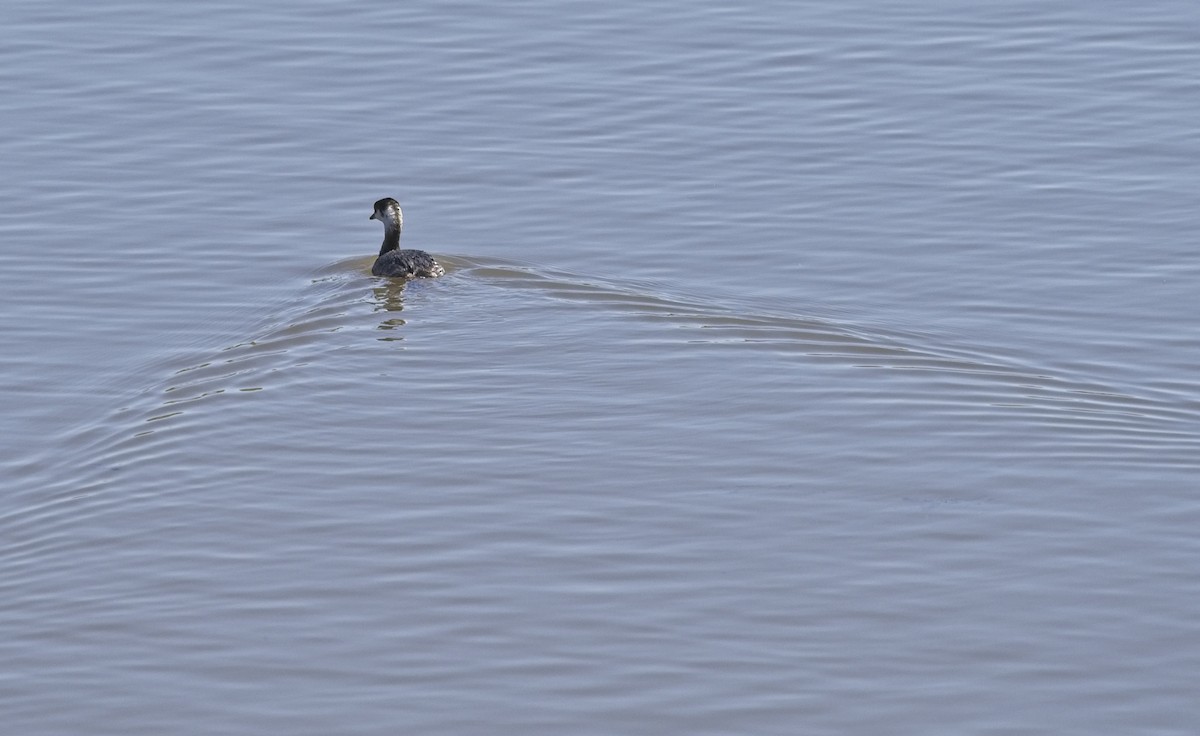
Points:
[(407, 264)]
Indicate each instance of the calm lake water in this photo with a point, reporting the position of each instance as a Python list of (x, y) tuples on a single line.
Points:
[(799, 370)]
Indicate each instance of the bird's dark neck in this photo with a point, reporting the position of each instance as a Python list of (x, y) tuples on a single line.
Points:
[(391, 241)]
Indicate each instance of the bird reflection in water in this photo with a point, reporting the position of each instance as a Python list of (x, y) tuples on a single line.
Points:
[(389, 297)]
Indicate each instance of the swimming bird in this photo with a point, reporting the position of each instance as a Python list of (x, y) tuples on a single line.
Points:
[(393, 261)]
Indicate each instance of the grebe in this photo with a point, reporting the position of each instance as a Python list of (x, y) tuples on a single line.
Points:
[(393, 261)]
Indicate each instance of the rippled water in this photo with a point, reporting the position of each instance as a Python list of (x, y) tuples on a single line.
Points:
[(798, 370)]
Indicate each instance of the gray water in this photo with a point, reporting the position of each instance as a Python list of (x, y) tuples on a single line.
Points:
[(799, 370)]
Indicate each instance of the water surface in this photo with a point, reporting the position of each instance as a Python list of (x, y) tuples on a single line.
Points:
[(798, 370)]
